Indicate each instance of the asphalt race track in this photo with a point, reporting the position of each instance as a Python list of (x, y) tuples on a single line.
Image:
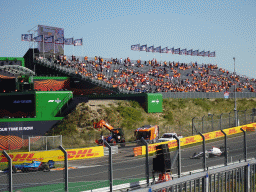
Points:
[(127, 167)]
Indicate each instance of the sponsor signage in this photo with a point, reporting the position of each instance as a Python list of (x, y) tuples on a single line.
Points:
[(195, 139), (55, 155), (52, 101)]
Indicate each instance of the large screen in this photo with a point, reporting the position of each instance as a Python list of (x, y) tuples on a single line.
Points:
[(17, 106), (48, 31)]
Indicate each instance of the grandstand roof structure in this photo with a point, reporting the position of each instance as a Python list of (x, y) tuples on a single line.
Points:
[(15, 71)]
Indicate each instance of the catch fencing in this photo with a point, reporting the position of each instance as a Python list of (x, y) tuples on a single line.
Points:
[(214, 122), (122, 170), (44, 143)]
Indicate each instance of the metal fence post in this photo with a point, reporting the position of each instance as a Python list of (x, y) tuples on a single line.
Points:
[(229, 119), (66, 166), (110, 166), (10, 169), (225, 145), (203, 123), (193, 125), (247, 178), (245, 146), (29, 144), (206, 183), (245, 116), (221, 120), (212, 121), (179, 156), (204, 154), (147, 159)]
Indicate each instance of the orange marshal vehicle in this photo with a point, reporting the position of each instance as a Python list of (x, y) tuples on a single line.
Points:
[(149, 132), (116, 136)]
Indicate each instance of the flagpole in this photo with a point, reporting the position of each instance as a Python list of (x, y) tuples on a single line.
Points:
[(43, 46), (82, 48), (33, 46), (73, 46), (54, 46)]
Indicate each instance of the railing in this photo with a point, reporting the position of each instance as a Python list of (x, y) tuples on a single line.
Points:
[(237, 177), (214, 122), (58, 108)]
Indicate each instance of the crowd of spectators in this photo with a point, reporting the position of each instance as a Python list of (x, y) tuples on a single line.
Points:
[(154, 76)]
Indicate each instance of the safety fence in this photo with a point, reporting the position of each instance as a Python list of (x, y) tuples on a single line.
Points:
[(211, 95), (214, 122), (113, 172), (237, 177)]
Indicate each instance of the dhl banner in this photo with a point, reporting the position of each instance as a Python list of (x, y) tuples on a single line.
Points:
[(55, 155), (194, 139)]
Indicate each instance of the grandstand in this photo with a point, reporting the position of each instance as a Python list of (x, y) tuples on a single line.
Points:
[(149, 76), (52, 87)]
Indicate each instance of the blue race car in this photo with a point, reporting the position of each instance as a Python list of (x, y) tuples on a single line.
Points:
[(34, 166)]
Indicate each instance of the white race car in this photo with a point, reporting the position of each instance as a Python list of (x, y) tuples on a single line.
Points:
[(214, 152)]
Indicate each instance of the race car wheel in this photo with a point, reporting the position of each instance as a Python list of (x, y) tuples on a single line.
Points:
[(46, 168), (24, 170)]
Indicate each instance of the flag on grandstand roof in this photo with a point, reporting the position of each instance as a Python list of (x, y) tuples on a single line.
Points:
[(212, 54), (133, 47), (26, 37), (183, 52), (158, 49), (48, 39), (171, 50), (143, 47), (195, 53), (206, 54), (189, 52), (164, 50), (137, 47), (38, 38), (201, 53), (68, 41), (150, 49), (177, 51), (59, 40), (78, 42)]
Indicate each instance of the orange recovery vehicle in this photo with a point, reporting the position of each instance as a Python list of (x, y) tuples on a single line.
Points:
[(149, 132), (116, 136)]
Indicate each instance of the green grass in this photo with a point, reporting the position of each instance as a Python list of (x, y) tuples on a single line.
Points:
[(79, 186)]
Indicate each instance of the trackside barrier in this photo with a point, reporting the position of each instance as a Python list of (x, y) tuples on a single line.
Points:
[(194, 139), (55, 155), (236, 177)]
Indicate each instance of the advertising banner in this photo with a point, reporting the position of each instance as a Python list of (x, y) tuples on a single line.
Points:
[(55, 155), (195, 139), (48, 47)]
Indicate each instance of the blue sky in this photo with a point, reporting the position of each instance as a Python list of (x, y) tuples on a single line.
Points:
[(110, 27)]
